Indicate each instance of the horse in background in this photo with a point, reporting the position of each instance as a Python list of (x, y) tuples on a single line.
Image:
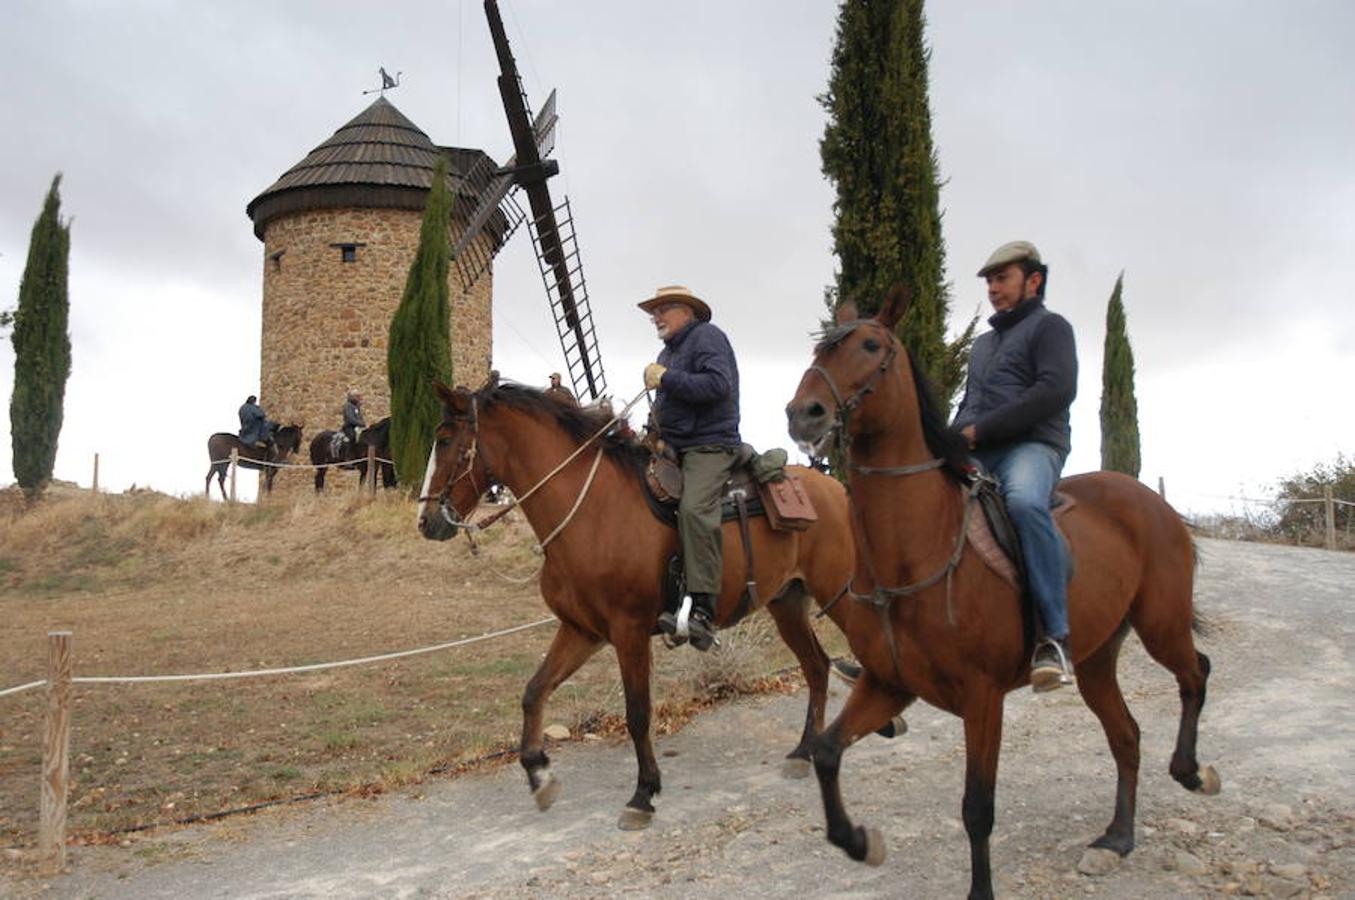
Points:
[(927, 616), (354, 455), (606, 553), (286, 441)]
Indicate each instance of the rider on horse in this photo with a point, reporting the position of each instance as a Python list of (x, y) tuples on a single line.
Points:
[(352, 416), (558, 391), (256, 430), (1022, 380), (696, 408)]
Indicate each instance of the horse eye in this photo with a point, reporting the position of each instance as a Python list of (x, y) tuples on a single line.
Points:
[(871, 345), (444, 442)]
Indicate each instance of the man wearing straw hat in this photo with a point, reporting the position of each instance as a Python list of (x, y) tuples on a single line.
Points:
[(696, 408)]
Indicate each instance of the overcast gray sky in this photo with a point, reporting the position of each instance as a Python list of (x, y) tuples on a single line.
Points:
[(1205, 148)]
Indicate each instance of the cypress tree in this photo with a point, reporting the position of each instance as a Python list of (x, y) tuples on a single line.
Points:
[(1119, 409), (420, 346), (877, 151), (42, 347)]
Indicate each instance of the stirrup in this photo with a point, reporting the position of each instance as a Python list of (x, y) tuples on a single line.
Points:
[(676, 629), (1047, 678)]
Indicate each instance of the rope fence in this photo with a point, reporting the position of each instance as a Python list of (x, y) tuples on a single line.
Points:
[(1276, 511), (57, 725)]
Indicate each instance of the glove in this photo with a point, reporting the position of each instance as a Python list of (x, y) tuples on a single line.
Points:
[(654, 375)]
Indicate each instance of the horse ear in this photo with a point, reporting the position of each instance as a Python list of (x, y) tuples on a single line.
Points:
[(895, 305), (455, 398), (846, 312)]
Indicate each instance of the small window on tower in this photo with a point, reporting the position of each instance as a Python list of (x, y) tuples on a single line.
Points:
[(348, 252), (275, 260)]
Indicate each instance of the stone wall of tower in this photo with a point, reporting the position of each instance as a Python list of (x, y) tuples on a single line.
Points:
[(326, 321)]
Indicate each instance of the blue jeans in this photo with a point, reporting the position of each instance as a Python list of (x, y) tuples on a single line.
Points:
[(1028, 473)]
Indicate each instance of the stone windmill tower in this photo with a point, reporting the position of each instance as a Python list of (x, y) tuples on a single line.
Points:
[(340, 229)]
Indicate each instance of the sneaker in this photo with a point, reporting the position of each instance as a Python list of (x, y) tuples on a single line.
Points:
[(1050, 668), (846, 671)]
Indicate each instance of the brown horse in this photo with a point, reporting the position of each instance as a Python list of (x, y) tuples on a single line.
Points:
[(937, 622), (286, 441), (601, 574)]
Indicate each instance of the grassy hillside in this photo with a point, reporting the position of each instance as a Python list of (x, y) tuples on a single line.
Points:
[(151, 584)]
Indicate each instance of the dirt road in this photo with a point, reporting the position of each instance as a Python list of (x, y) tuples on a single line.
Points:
[(1279, 726)]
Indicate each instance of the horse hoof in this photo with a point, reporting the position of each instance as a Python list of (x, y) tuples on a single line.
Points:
[(1098, 861), (875, 847), (794, 767), (1210, 782), (545, 795), (633, 819)]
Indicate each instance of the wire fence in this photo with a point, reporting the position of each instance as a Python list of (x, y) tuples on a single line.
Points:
[(1326, 521)]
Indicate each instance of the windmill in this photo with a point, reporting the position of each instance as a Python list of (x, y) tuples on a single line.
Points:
[(552, 226)]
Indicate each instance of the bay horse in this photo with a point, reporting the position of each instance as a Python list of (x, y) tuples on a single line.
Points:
[(354, 455), (286, 441), (601, 575), (937, 622)]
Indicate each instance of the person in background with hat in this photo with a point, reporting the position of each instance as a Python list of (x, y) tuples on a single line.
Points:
[(559, 392), (696, 409), (352, 416), (1022, 380)]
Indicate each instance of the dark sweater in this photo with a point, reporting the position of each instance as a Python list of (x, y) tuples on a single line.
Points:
[(697, 403), (1022, 379)]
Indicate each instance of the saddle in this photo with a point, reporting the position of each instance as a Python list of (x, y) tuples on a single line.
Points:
[(336, 444), (759, 486), (993, 537)]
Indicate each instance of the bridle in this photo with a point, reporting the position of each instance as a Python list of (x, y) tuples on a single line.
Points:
[(881, 597), (468, 455)]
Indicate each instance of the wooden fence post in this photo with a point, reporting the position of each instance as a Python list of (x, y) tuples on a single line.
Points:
[(371, 468), (1331, 516), (1162, 487), (235, 466), (95, 486), (56, 751)]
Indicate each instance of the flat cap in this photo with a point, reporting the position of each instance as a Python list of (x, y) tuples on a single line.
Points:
[(1012, 252)]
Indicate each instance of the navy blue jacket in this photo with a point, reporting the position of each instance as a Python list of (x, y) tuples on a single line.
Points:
[(697, 403), (253, 424), (1022, 379)]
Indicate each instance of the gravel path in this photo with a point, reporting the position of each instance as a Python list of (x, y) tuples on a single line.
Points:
[(1279, 726)]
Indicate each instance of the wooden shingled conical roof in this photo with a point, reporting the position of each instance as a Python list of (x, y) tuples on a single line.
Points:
[(378, 159)]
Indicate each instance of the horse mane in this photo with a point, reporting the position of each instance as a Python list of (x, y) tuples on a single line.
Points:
[(579, 422), (944, 442)]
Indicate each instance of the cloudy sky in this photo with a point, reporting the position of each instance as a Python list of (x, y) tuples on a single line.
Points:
[(1204, 148)]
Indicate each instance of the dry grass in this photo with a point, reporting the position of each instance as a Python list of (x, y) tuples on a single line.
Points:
[(151, 584)]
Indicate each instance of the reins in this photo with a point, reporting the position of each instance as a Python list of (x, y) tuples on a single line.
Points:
[(472, 528)]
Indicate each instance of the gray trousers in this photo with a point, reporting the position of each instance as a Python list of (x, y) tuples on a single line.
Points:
[(704, 472)]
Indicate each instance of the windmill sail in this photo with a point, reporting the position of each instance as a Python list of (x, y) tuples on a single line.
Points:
[(552, 227)]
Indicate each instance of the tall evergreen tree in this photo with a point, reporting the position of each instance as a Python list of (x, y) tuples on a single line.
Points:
[(1119, 409), (42, 347), (877, 150), (420, 346)]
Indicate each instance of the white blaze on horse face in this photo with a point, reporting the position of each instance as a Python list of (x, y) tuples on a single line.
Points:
[(427, 480)]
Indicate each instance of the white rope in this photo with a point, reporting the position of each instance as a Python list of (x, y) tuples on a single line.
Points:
[(592, 473), (259, 673), (283, 465), (21, 688)]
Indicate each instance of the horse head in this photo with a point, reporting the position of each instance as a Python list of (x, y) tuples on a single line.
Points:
[(456, 475), (849, 387), (287, 438)]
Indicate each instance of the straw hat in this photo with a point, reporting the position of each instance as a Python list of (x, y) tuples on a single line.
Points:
[(676, 293)]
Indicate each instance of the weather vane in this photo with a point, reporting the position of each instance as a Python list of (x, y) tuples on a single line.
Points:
[(387, 82)]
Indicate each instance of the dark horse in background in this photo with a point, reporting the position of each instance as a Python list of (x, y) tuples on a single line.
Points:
[(354, 455), (927, 616), (602, 574), (286, 441)]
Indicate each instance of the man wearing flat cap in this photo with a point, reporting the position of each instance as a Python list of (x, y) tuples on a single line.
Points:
[(696, 408), (1021, 383)]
